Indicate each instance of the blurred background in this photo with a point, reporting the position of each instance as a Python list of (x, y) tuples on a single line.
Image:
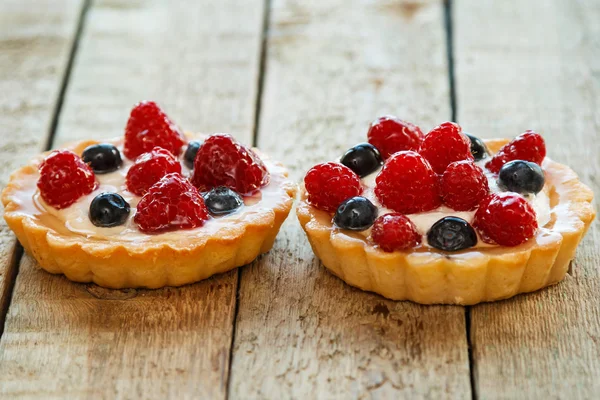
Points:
[(302, 79)]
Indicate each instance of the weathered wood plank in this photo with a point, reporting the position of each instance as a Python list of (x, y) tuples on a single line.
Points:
[(35, 42), (538, 70), (332, 67), (200, 61)]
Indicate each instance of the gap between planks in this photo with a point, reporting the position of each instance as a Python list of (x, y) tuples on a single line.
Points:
[(301, 335), (541, 76), (225, 85), (13, 269), (67, 75), (449, 30), (255, 130)]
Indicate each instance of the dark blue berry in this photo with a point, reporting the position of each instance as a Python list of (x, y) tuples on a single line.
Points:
[(478, 148), (451, 234), (103, 158), (109, 209), (356, 213), (521, 177), (222, 200), (363, 159), (190, 153)]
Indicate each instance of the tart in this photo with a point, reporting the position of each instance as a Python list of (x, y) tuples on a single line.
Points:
[(151, 209), (445, 218)]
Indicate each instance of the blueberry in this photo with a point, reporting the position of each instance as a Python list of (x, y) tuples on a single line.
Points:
[(222, 200), (364, 158), (109, 209), (356, 214), (451, 234), (190, 153), (478, 148), (521, 176), (103, 158)]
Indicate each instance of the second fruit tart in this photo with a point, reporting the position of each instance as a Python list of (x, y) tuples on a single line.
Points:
[(445, 217), (153, 208)]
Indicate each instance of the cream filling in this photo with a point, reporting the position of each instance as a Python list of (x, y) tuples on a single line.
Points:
[(75, 218), (425, 220)]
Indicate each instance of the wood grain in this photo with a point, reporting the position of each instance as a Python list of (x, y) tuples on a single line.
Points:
[(538, 70), (332, 67), (35, 42), (200, 61)]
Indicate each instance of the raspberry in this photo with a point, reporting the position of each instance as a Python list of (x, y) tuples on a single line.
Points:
[(395, 232), (171, 203), (528, 146), (64, 178), (329, 184), (148, 126), (222, 161), (149, 168), (506, 219), (463, 186), (407, 184), (390, 134), (445, 144)]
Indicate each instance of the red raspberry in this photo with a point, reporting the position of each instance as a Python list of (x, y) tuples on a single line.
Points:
[(407, 184), (149, 168), (506, 219), (329, 184), (464, 185), (390, 134), (64, 178), (148, 126), (528, 146), (395, 232), (171, 203), (445, 144), (223, 161)]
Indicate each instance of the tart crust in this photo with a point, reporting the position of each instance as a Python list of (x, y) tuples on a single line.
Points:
[(153, 264), (427, 276)]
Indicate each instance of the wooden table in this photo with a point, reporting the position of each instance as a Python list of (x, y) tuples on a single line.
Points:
[(301, 79)]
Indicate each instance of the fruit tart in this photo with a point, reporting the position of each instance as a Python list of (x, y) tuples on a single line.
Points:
[(445, 218), (151, 209)]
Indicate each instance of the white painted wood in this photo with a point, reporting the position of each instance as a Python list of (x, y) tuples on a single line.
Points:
[(35, 42), (332, 67), (535, 65), (200, 61)]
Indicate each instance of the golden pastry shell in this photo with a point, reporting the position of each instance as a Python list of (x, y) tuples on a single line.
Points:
[(153, 264), (428, 276)]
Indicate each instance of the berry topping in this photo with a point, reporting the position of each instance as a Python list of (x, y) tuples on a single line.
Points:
[(64, 178), (363, 159), (190, 153), (395, 232), (407, 184), (148, 126), (109, 209), (149, 168), (451, 234), (522, 177), (356, 213), (478, 149), (222, 161), (463, 186), (329, 184), (528, 146), (506, 219), (103, 158), (171, 203), (445, 144), (390, 134), (222, 200)]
